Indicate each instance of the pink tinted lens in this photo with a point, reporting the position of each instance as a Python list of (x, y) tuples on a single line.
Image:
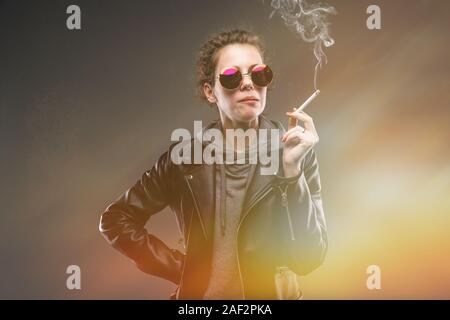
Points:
[(259, 68), (230, 72)]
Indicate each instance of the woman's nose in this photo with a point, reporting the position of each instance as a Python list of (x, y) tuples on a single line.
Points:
[(246, 82)]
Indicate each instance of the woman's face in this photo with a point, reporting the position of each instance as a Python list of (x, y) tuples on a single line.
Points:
[(233, 104)]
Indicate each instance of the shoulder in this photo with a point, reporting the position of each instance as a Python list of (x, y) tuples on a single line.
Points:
[(179, 157)]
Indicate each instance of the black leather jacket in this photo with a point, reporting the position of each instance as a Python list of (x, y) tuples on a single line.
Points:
[(282, 224)]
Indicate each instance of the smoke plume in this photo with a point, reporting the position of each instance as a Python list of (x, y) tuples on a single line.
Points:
[(310, 23)]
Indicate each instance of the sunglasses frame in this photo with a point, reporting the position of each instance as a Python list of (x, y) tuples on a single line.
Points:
[(245, 74)]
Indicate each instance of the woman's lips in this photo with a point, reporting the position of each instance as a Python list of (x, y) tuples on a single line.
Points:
[(249, 100)]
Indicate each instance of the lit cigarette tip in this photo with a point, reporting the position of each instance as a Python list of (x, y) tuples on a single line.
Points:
[(308, 101)]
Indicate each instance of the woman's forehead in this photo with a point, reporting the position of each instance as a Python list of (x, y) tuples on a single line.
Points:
[(238, 55)]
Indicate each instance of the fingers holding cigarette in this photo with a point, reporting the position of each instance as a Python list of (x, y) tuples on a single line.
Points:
[(293, 122), (299, 116), (296, 132), (302, 117)]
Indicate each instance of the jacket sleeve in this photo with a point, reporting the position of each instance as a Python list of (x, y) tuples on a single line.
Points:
[(123, 223), (306, 239)]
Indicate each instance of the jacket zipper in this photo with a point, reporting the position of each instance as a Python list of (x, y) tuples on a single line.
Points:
[(257, 199), (285, 204)]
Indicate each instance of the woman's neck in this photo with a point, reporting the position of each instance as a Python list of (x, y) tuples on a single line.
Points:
[(228, 123)]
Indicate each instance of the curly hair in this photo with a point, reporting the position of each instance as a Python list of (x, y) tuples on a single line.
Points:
[(208, 54)]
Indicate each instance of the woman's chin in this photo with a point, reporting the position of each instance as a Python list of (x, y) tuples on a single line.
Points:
[(248, 116), (249, 113)]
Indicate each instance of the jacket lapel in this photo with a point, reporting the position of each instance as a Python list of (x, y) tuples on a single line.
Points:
[(201, 184), (260, 181)]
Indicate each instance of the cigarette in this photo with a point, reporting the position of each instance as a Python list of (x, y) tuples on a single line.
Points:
[(308, 101)]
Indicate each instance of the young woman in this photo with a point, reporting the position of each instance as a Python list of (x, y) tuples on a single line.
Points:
[(239, 226)]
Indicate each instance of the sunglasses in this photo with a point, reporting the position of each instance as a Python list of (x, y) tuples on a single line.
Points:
[(231, 77)]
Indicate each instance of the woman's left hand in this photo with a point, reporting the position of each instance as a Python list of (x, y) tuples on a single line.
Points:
[(298, 140)]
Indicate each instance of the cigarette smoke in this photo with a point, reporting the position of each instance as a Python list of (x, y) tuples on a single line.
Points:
[(310, 23)]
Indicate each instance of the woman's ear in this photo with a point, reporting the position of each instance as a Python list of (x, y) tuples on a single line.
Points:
[(209, 93)]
